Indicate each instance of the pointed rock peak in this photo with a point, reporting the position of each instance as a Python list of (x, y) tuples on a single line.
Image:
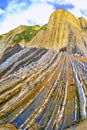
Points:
[(63, 13), (82, 18), (63, 16), (83, 23)]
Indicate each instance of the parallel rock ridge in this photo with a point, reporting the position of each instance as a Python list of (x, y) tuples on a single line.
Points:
[(62, 30), (42, 89)]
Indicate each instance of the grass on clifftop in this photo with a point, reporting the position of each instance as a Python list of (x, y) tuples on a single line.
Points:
[(28, 33)]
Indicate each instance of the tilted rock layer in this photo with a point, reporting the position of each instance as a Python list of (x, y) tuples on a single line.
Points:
[(41, 89), (63, 30)]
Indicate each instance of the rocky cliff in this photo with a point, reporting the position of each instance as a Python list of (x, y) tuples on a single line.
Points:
[(63, 30)]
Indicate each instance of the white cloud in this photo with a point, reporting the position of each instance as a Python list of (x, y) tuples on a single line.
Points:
[(79, 4), (76, 12), (58, 1), (40, 12), (2, 11), (37, 13), (14, 7)]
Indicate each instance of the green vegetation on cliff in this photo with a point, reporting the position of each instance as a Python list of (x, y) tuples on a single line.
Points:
[(28, 33)]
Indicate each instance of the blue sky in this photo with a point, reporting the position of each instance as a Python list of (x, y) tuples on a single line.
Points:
[(14, 13)]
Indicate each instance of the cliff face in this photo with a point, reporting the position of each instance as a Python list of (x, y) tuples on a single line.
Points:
[(63, 30), (20, 35)]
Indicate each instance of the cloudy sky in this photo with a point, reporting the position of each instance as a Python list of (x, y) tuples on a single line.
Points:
[(14, 13)]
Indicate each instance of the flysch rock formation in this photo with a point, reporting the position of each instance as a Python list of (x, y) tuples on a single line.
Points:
[(43, 74), (42, 89)]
